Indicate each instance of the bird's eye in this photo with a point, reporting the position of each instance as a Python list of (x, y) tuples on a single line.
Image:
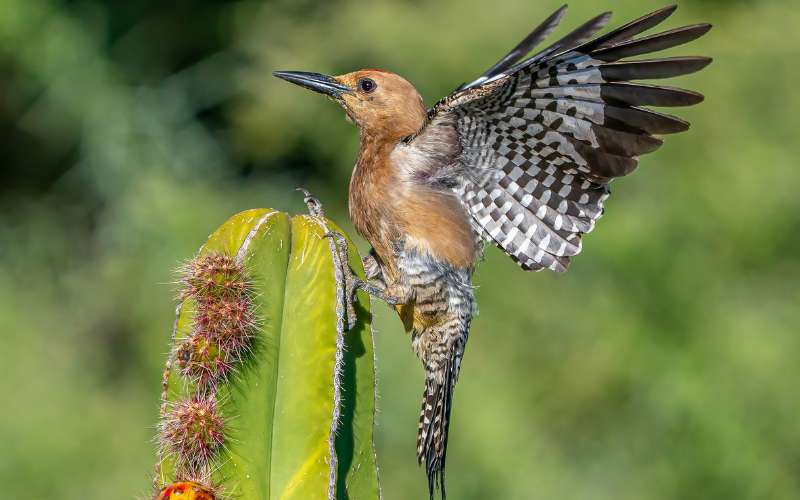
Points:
[(366, 85)]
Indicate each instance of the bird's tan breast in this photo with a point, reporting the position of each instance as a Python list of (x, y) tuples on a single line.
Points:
[(437, 224), (394, 205)]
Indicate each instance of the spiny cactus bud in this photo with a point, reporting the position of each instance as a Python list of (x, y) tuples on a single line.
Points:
[(202, 361), (228, 321), (214, 275), (193, 429), (185, 490)]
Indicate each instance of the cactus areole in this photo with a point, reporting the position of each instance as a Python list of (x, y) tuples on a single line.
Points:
[(266, 393)]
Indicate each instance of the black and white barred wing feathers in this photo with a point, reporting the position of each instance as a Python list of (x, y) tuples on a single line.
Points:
[(542, 138)]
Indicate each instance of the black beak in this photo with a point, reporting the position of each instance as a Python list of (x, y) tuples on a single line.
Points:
[(323, 84)]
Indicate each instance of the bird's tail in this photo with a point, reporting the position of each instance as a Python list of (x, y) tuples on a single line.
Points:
[(434, 422)]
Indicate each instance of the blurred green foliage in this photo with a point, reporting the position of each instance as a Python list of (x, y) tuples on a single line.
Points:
[(662, 366)]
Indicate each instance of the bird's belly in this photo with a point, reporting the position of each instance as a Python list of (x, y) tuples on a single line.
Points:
[(441, 291)]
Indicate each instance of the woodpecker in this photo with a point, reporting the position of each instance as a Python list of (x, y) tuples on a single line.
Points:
[(521, 157)]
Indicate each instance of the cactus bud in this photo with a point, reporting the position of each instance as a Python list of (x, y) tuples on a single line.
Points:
[(185, 490), (193, 430)]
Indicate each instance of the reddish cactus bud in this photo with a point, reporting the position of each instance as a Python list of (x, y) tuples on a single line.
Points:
[(214, 275), (185, 490), (193, 429), (228, 321), (202, 360)]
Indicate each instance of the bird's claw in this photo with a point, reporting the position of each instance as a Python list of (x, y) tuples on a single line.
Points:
[(313, 204), (354, 283), (337, 237)]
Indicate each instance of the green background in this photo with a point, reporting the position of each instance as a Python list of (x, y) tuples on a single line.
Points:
[(662, 366)]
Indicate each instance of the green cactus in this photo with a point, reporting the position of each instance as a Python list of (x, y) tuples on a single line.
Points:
[(267, 394)]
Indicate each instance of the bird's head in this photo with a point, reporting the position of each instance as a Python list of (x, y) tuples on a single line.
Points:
[(381, 103)]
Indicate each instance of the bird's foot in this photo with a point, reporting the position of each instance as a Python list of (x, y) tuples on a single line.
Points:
[(378, 292), (374, 288)]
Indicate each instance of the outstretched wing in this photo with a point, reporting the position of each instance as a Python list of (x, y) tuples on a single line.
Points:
[(542, 138)]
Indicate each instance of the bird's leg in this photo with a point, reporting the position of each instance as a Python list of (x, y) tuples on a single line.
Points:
[(372, 268), (395, 294)]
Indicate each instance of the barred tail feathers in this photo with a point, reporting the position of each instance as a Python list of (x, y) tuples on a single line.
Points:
[(434, 424)]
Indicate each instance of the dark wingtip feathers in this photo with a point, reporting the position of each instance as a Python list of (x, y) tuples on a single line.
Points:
[(639, 94), (631, 29), (539, 33), (648, 69), (652, 43), (576, 36)]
